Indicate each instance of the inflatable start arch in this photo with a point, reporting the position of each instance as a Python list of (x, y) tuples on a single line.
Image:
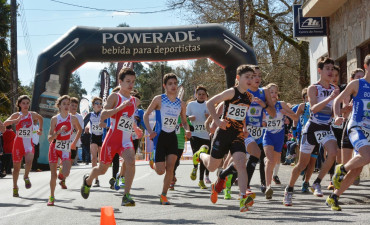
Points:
[(93, 44)]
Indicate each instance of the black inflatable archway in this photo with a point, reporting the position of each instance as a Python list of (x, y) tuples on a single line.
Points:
[(93, 44)]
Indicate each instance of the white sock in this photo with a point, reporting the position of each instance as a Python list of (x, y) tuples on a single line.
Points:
[(276, 169)]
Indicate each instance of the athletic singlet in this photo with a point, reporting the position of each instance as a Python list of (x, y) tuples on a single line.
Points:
[(361, 107), (74, 131), (198, 110), (254, 115), (236, 109), (276, 124), (325, 115), (94, 123), (62, 142), (122, 122), (24, 127), (166, 117), (305, 115)]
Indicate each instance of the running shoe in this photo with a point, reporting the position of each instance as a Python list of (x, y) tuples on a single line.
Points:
[(263, 189), (288, 196), (227, 195), (127, 200), (220, 185), (269, 193), (151, 162), (62, 184), (51, 201), (163, 200), (249, 192), (172, 186), (204, 149), (122, 182), (208, 181), (60, 175), (290, 156), (112, 181), (85, 190), (332, 202), (97, 183), (338, 176), (214, 194), (357, 181), (193, 174), (27, 183), (228, 181), (15, 192), (276, 179), (202, 185), (316, 189), (116, 183), (331, 186), (245, 203), (305, 187)]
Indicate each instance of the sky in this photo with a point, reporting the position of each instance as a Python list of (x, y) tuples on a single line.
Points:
[(45, 21)]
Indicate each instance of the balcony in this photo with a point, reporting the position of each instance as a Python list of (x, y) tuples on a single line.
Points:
[(321, 8)]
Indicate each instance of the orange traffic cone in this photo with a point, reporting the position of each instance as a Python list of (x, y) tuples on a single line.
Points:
[(107, 216)]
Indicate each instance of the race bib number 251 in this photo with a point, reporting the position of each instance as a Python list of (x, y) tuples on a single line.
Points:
[(64, 146)]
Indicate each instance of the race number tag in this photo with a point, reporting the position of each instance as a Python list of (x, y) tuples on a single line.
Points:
[(320, 135), (255, 132), (336, 126), (237, 112), (64, 146), (274, 124), (199, 128), (366, 133), (125, 124), (177, 129), (96, 129), (25, 132), (169, 122)]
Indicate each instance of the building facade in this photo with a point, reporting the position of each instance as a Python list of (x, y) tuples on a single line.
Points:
[(348, 40)]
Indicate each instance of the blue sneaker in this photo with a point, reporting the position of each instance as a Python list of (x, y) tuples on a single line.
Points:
[(305, 187), (116, 183)]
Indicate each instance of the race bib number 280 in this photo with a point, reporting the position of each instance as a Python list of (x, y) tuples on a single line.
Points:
[(237, 112), (366, 133), (255, 132)]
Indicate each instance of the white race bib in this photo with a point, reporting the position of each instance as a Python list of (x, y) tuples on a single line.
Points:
[(64, 146), (25, 132), (125, 124), (199, 128), (320, 135), (177, 129), (274, 124), (169, 122), (255, 132), (366, 133), (96, 129), (237, 112)]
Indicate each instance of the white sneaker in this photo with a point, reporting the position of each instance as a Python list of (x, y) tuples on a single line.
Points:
[(288, 196), (316, 189)]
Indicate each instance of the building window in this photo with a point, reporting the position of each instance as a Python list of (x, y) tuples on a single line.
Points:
[(364, 51)]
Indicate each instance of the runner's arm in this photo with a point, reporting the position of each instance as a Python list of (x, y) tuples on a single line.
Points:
[(223, 96), (270, 105), (153, 106), (37, 116), (351, 89), (53, 135), (109, 110), (289, 112), (14, 118), (312, 98)]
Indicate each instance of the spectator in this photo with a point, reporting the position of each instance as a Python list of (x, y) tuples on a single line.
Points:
[(8, 139), (85, 139), (35, 141)]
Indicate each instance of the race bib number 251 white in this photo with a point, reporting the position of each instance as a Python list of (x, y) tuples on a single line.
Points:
[(64, 146)]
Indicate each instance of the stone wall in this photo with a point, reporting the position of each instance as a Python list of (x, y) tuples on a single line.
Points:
[(349, 29)]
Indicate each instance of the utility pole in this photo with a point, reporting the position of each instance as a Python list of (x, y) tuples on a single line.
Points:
[(241, 19), (13, 53)]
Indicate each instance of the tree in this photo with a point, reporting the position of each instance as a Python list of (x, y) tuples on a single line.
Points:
[(75, 86), (269, 30)]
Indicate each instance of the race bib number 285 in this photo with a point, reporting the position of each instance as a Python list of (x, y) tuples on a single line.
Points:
[(237, 112)]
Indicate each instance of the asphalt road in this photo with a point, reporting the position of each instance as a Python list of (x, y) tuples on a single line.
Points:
[(189, 204)]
